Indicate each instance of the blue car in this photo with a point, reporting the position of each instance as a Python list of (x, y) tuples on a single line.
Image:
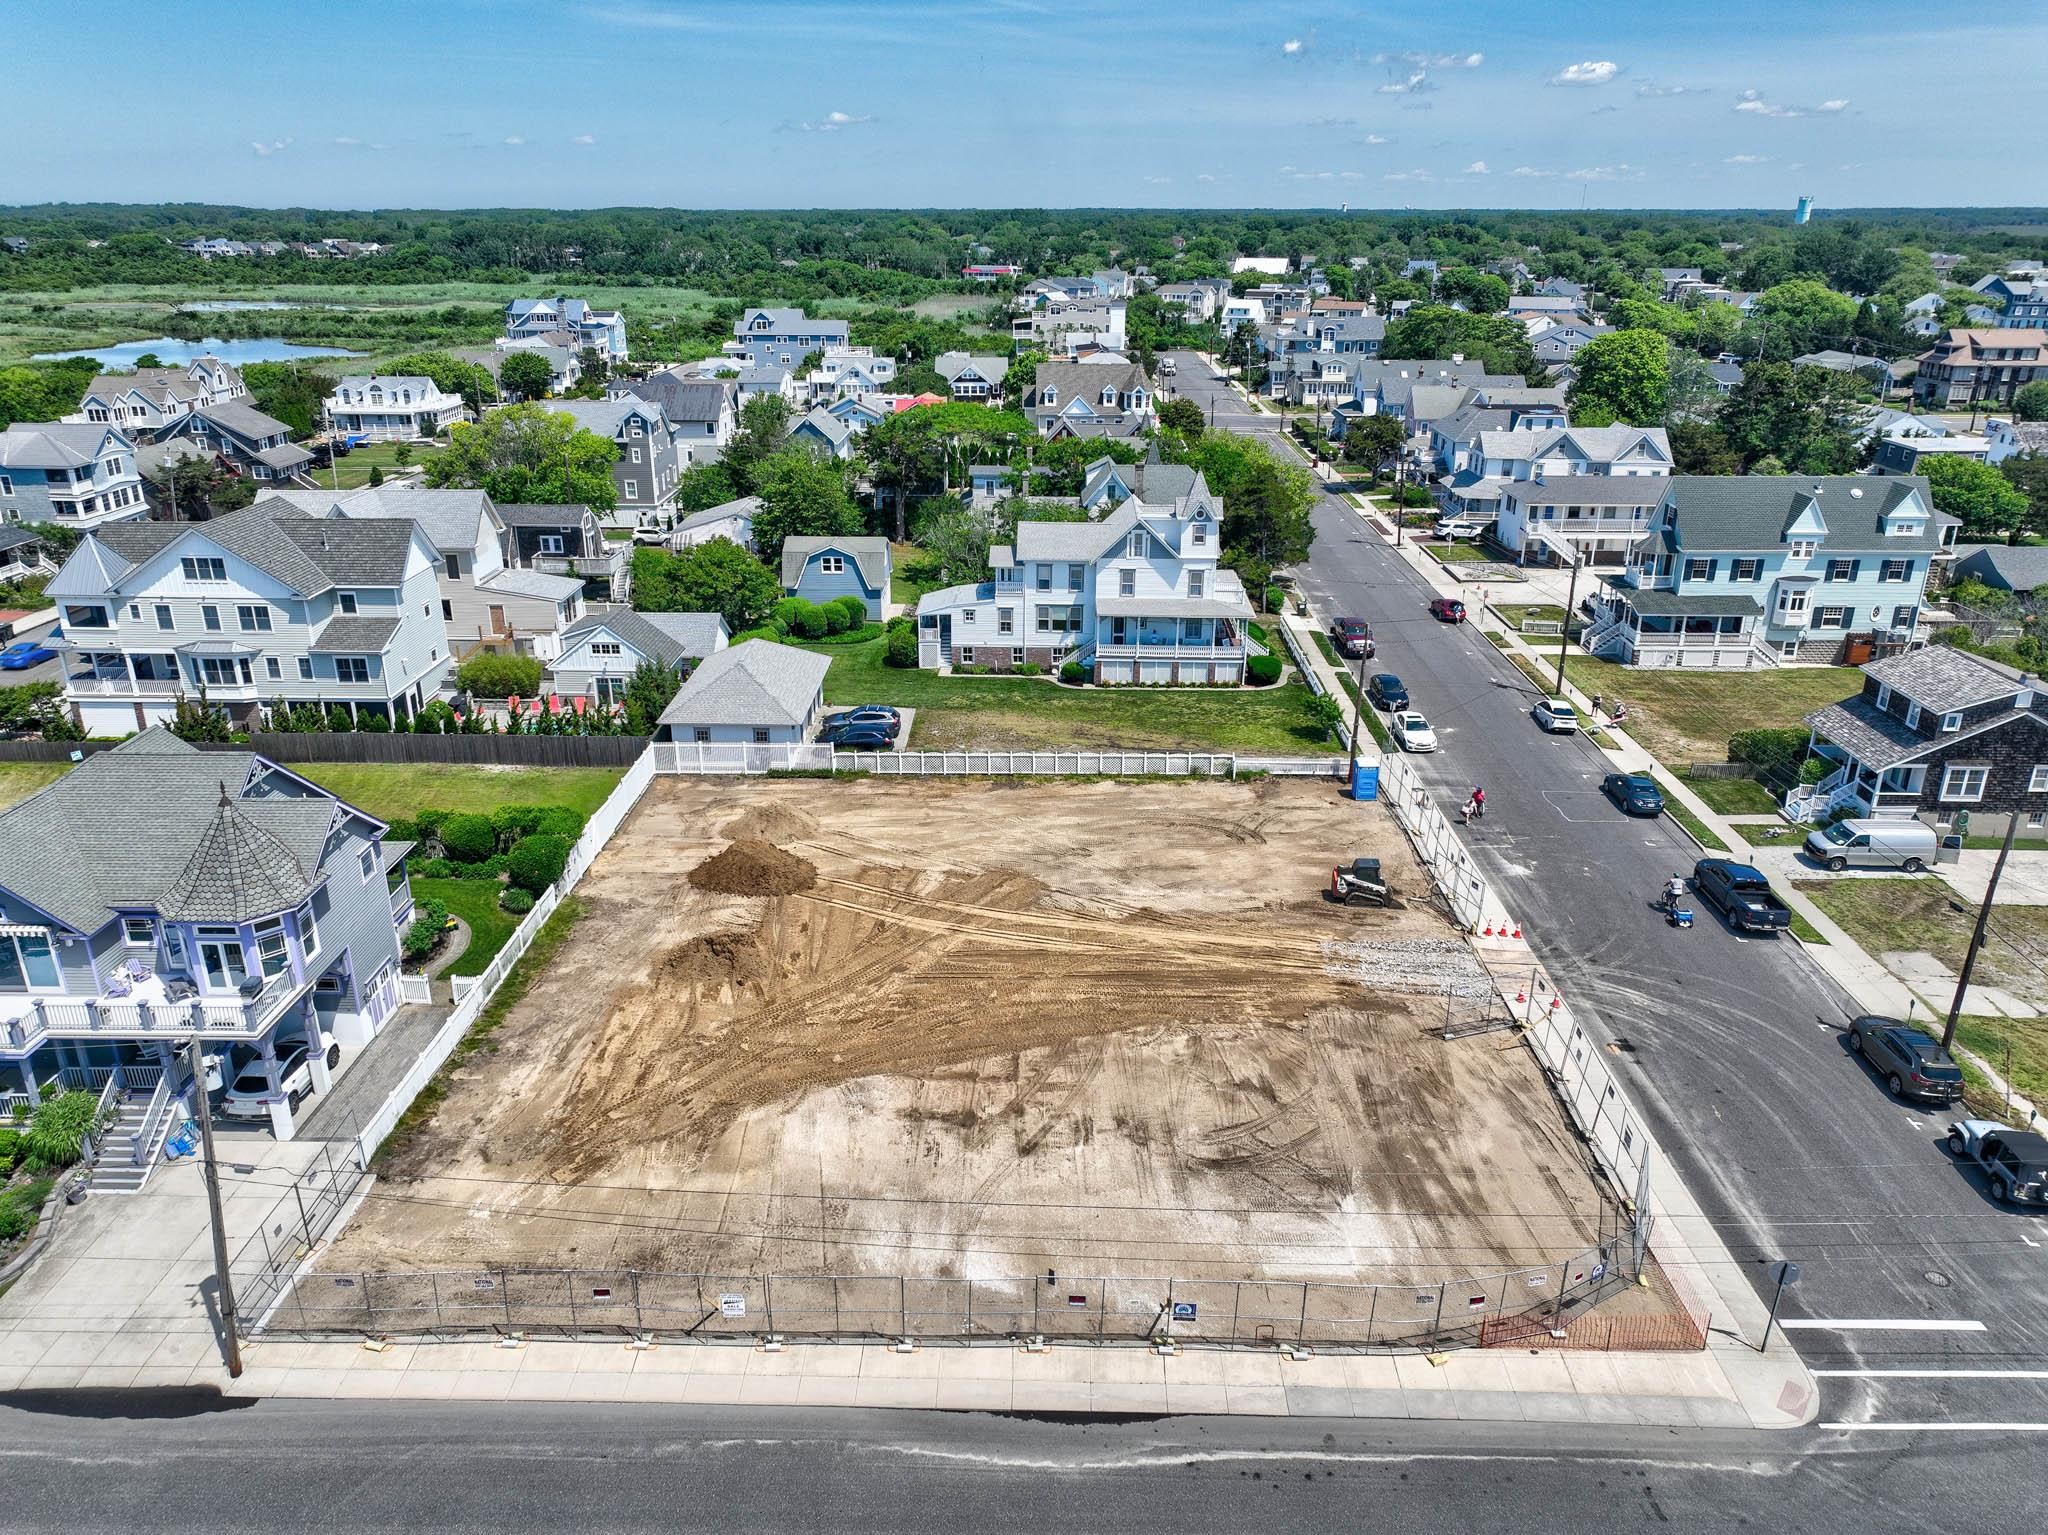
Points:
[(858, 737), (23, 654)]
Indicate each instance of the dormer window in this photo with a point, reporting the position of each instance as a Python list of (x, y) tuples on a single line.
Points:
[(1050, 395), (1884, 698), (1109, 397)]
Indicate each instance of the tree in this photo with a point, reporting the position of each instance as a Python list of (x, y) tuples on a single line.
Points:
[(1697, 447), (1623, 377), (492, 676), (1691, 392), (1989, 505), (648, 692), (905, 457), (186, 485), (1480, 292), (1798, 317), (525, 374), (716, 576), (1807, 419), (763, 424), (2028, 473), (2030, 401), (197, 720), (956, 539), (376, 475), (292, 392), (150, 360), (1436, 330), (528, 454), (1181, 415), (1242, 349), (1372, 441), (1266, 501), (703, 486), (801, 496)]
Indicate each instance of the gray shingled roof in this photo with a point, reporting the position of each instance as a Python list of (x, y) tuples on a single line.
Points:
[(756, 682), (527, 515), (1873, 737), (681, 398), (1940, 677), (746, 506), (1752, 511), (243, 419), (355, 634), (870, 558), (309, 554), (664, 637), (237, 870), (51, 445), (2021, 569), (451, 519), (120, 831), (1590, 490)]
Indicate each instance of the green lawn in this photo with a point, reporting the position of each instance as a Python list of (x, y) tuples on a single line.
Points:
[(475, 901), (1032, 713), (393, 790), (902, 589), (1733, 796), (1702, 833), (2026, 1068), (353, 472), (1687, 716), (18, 780), (1457, 554), (1519, 613)]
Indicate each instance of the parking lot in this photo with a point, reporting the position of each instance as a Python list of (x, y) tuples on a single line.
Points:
[(979, 1029)]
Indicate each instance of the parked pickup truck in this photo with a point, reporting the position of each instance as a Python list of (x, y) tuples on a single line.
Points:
[(2016, 1161), (1740, 894)]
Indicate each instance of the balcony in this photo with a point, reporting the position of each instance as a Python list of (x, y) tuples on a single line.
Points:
[(602, 566), (127, 687), (153, 1009)]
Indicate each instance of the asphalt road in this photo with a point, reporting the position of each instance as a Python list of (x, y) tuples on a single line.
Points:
[(1732, 1046), (454, 1466)]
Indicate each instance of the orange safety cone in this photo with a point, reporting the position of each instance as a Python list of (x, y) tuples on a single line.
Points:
[(1555, 1003), (1516, 933), (1521, 994), (1488, 933)]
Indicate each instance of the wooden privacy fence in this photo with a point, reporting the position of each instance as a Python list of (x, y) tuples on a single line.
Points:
[(368, 746)]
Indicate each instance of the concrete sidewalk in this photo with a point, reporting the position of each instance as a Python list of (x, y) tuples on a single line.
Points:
[(1692, 1390)]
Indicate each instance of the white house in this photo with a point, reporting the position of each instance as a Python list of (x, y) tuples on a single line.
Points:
[(730, 520), (567, 322), (1138, 596), (755, 693), (972, 376), (1553, 495), (601, 652), (396, 409)]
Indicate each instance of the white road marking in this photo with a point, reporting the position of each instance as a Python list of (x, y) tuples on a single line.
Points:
[(1939, 1428), (1931, 1374), (2029, 1240), (1880, 1324)]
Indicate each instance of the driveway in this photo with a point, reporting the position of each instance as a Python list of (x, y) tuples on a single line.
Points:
[(48, 671), (1732, 1046)]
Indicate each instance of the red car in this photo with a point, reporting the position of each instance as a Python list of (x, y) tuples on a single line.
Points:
[(1449, 609)]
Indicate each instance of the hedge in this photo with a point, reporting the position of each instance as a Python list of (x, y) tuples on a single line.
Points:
[(469, 838), (538, 862), (1778, 750), (1262, 669)]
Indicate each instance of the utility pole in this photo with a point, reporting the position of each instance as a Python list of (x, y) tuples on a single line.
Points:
[(1955, 1008), (1564, 638), (1357, 719), (231, 1340)]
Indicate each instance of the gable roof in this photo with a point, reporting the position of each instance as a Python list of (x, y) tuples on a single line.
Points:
[(756, 682), (1942, 677), (1752, 511), (308, 554), (832, 428), (950, 365), (745, 506), (607, 418), (528, 515), (142, 826), (1086, 379), (2021, 569), (452, 519), (870, 558), (664, 637), (682, 398), (52, 444)]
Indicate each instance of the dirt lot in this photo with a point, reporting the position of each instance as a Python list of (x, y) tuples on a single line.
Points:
[(990, 1029)]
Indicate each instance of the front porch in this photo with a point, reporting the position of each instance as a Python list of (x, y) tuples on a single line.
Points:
[(1638, 627), (1158, 650), (1874, 773)]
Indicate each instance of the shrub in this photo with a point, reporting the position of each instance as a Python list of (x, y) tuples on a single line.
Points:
[(835, 618), (56, 1126), (899, 648), (1276, 599), (489, 676), (782, 617), (424, 935), (339, 719), (763, 633), (1028, 669), (1262, 669), (10, 1150), (538, 862), (900, 621), (1326, 712), (1071, 672), (1778, 750), (469, 838), (374, 723), (515, 900), (854, 608), (561, 821), (512, 822), (431, 821), (811, 622)]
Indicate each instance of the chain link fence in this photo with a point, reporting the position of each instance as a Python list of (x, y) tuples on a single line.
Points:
[(639, 1302)]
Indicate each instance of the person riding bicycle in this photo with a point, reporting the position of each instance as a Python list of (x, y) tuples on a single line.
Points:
[(1674, 892)]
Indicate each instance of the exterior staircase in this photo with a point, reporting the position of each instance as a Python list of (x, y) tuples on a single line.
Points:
[(129, 1149)]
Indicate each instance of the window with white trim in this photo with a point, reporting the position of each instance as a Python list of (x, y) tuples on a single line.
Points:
[(1884, 696), (1912, 716), (1803, 548), (831, 565), (309, 931), (1895, 570), (1831, 618), (2037, 782), (606, 648), (272, 669), (367, 862), (138, 932), (203, 568), (1843, 570), (1964, 784), (1127, 583), (550, 543), (1700, 570), (1195, 582), (351, 669), (1950, 723), (254, 618), (345, 601)]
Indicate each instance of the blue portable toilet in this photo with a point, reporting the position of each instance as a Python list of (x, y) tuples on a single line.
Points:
[(1365, 780)]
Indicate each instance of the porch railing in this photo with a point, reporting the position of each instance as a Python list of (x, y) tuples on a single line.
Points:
[(155, 1119), (99, 1017)]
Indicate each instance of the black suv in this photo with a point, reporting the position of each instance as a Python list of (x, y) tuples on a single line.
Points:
[(1912, 1063)]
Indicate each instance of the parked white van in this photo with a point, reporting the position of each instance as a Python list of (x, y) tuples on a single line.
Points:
[(1890, 843)]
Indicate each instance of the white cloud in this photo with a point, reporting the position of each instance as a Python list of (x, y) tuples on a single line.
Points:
[(1530, 171), (1622, 172), (1591, 72), (513, 140), (348, 143), (1477, 168), (833, 122), (1376, 138), (584, 138), (1417, 81), (1205, 178), (1747, 160), (1753, 103), (1159, 181), (265, 151), (1292, 46), (1653, 91), (1417, 60), (1414, 175)]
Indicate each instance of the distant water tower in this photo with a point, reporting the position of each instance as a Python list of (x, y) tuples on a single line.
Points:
[(1805, 211)]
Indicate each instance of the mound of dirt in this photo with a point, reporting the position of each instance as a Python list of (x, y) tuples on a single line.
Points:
[(753, 867), (770, 822), (713, 958)]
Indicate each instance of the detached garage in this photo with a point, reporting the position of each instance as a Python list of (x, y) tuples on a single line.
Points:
[(755, 693)]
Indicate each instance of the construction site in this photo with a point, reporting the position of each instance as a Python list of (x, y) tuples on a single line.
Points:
[(965, 1029)]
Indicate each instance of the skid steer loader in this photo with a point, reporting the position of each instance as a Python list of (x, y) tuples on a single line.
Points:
[(1358, 883)]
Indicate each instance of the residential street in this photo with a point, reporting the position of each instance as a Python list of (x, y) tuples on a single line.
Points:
[(1732, 1046), (601, 1466)]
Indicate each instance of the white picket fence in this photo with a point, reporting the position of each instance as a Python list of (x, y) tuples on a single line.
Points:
[(712, 758), (477, 993)]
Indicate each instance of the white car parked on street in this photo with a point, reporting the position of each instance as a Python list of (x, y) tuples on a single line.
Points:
[(249, 1096), (1556, 715), (1413, 732)]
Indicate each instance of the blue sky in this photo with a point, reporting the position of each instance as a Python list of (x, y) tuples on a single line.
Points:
[(1007, 103)]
